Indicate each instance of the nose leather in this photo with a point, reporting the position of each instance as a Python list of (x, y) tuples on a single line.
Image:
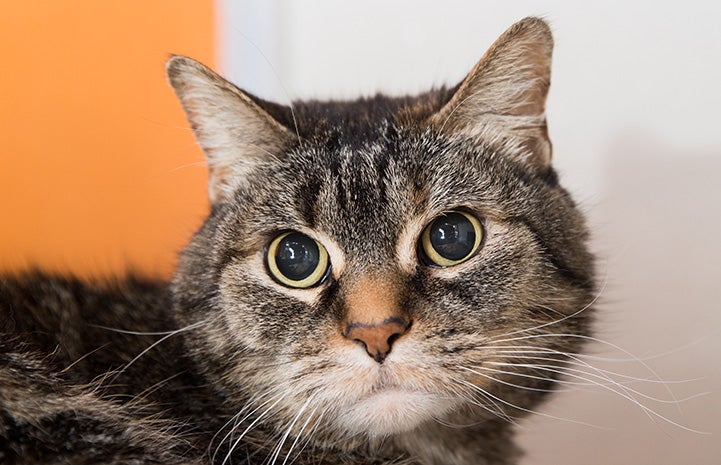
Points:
[(377, 338)]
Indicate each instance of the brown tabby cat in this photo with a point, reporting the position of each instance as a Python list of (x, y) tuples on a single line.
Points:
[(389, 280)]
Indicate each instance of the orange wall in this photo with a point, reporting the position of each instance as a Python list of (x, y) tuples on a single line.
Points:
[(98, 169)]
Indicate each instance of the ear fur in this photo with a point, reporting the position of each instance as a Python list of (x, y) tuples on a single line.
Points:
[(233, 131), (505, 93)]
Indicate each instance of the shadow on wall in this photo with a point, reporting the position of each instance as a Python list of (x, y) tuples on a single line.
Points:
[(657, 232)]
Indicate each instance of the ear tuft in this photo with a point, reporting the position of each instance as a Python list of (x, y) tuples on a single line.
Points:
[(505, 93), (233, 131)]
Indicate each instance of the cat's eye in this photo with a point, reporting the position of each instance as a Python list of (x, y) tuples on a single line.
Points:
[(450, 239), (296, 260)]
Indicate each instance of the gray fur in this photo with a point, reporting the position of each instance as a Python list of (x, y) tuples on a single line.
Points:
[(363, 178)]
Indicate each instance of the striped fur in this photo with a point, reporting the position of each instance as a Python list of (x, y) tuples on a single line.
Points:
[(226, 365)]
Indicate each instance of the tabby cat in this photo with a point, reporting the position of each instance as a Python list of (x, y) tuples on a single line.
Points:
[(387, 280)]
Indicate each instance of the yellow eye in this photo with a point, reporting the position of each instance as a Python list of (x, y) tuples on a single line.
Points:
[(451, 239), (296, 260)]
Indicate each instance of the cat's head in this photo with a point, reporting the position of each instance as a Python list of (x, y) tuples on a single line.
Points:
[(375, 266)]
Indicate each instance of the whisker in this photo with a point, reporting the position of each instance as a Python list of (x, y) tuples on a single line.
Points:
[(518, 386), (529, 376), (581, 363), (153, 388), (134, 333), (623, 393), (195, 325), (311, 432), (80, 359), (300, 433), (599, 341), (499, 412), (525, 409), (188, 165), (279, 447), (567, 317), (627, 392), (250, 427), (234, 419), (566, 370)]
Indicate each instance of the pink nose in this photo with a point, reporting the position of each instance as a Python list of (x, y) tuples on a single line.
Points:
[(378, 338)]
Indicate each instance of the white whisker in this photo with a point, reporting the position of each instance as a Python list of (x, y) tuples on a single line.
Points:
[(311, 432), (518, 386), (517, 407), (581, 363), (195, 325), (599, 341), (234, 419), (554, 322), (298, 436), (577, 374), (134, 333), (499, 412), (279, 447), (624, 392), (236, 442)]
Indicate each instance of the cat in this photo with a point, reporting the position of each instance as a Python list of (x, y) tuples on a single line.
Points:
[(386, 280)]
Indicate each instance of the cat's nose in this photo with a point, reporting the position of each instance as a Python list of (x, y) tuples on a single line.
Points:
[(377, 339)]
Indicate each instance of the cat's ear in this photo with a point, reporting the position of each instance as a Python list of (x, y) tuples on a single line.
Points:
[(233, 131), (505, 93)]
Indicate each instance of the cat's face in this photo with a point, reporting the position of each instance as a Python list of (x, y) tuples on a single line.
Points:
[(367, 278)]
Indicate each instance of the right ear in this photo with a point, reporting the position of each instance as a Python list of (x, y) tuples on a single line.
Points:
[(233, 131)]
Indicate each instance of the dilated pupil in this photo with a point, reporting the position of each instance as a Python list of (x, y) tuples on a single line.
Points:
[(297, 256), (452, 236)]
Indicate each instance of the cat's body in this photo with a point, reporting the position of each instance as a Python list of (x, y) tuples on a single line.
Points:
[(393, 347)]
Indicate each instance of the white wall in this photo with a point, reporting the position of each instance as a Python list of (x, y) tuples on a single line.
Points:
[(619, 66), (633, 114)]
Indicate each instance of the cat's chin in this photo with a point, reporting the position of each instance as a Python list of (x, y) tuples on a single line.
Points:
[(391, 411)]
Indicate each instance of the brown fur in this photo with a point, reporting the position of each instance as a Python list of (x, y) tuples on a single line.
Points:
[(386, 361)]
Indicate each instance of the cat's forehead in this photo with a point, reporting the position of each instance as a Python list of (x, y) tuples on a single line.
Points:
[(369, 191), (377, 171), (371, 187)]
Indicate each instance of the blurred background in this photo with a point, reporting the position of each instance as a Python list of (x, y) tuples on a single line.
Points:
[(99, 172)]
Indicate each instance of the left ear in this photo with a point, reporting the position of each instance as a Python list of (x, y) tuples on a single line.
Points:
[(505, 93)]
